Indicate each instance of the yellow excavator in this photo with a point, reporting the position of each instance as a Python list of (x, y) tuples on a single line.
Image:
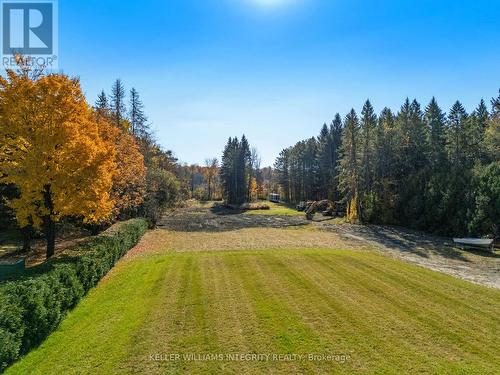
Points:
[(326, 207)]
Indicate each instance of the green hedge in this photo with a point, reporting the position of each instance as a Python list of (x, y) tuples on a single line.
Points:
[(32, 307)]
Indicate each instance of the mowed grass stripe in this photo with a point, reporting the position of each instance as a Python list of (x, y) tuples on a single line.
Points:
[(431, 321), (381, 311), (357, 327), (96, 335), (189, 330), (331, 325), (465, 318), (157, 319), (285, 330), (455, 291)]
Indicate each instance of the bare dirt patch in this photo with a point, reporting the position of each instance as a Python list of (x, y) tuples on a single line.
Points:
[(218, 218), (436, 253)]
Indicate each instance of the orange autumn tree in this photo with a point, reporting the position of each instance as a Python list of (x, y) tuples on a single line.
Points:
[(53, 153), (129, 181)]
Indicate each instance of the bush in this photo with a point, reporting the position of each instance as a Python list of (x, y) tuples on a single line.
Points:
[(31, 308), (162, 192), (11, 331), (255, 207)]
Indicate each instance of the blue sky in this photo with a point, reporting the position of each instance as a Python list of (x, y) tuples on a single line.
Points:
[(276, 70)]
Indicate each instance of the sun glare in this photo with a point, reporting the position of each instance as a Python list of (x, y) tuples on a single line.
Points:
[(270, 3)]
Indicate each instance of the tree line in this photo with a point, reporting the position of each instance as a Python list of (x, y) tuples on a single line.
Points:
[(421, 168), (242, 178), (63, 159)]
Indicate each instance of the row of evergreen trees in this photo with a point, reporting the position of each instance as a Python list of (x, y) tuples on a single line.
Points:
[(132, 119), (236, 171), (418, 168)]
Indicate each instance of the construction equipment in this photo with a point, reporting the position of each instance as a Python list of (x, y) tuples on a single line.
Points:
[(326, 207), (304, 206)]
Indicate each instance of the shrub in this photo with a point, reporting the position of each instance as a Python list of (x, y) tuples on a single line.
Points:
[(11, 331), (162, 192), (255, 206), (31, 308)]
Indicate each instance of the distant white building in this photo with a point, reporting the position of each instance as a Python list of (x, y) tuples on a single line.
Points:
[(275, 198)]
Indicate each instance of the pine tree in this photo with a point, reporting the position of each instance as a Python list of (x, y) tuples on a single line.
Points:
[(476, 132), (457, 136), (235, 170), (102, 104), (422, 170), (138, 120), (324, 161), (336, 141), (310, 169), (368, 125), (244, 167), (435, 121), (282, 169), (349, 169), (412, 148), (492, 136), (117, 100), (386, 157)]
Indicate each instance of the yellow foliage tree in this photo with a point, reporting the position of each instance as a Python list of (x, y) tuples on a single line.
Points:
[(353, 210), (253, 189), (129, 183), (210, 172), (53, 153)]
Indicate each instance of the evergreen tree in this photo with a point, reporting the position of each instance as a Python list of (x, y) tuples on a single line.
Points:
[(117, 100), (412, 148), (282, 169), (244, 170), (476, 132), (324, 161), (422, 170), (457, 136), (385, 168), (235, 170), (336, 137), (138, 120), (435, 121), (349, 166), (102, 104), (458, 201), (492, 137), (368, 125)]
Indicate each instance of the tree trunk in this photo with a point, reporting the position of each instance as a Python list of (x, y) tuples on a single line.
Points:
[(50, 234), (26, 234), (49, 223)]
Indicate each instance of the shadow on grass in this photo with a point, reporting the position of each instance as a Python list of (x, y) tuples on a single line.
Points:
[(222, 218), (224, 210)]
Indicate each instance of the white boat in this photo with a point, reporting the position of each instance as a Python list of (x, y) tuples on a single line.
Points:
[(479, 243)]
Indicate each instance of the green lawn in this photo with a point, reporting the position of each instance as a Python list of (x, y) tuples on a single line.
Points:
[(383, 315), (277, 209)]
